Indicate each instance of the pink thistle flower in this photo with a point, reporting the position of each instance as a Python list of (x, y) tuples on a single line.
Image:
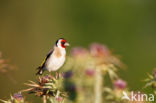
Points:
[(90, 72), (59, 99), (18, 97), (78, 51), (120, 84), (154, 73), (99, 50)]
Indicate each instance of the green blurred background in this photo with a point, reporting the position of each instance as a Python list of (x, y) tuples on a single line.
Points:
[(29, 28)]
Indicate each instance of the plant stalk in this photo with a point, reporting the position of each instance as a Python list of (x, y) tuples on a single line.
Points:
[(98, 86), (44, 99)]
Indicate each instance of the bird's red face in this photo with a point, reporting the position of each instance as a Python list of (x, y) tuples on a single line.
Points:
[(62, 43)]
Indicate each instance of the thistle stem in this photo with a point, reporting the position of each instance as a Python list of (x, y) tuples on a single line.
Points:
[(44, 99), (98, 86)]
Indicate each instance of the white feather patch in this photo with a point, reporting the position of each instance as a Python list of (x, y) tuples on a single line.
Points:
[(54, 62)]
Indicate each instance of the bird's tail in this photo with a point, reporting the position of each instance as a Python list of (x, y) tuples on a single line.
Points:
[(40, 71)]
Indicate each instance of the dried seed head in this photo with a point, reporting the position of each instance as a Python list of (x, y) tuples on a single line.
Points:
[(48, 86)]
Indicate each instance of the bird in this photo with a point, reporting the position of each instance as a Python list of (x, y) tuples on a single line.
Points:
[(55, 59)]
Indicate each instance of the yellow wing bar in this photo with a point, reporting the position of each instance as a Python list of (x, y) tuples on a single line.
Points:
[(43, 61)]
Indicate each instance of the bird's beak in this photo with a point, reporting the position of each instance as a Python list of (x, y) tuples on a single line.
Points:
[(66, 44)]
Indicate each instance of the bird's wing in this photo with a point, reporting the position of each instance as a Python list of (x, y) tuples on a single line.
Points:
[(40, 68), (46, 58)]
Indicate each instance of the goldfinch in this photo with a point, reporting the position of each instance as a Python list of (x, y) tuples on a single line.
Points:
[(55, 58)]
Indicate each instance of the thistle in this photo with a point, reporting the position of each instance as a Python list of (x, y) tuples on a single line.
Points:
[(5, 66), (49, 87), (86, 70), (116, 93), (151, 81), (16, 98)]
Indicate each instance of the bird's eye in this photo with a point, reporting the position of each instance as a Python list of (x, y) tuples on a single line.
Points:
[(62, 42)]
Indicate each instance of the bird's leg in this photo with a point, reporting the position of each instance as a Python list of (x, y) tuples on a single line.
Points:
[(56, 74)]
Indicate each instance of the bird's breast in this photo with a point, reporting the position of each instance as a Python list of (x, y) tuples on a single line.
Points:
[(55, 62)]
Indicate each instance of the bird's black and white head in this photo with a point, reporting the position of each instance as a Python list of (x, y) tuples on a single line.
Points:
[(62, 43)]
